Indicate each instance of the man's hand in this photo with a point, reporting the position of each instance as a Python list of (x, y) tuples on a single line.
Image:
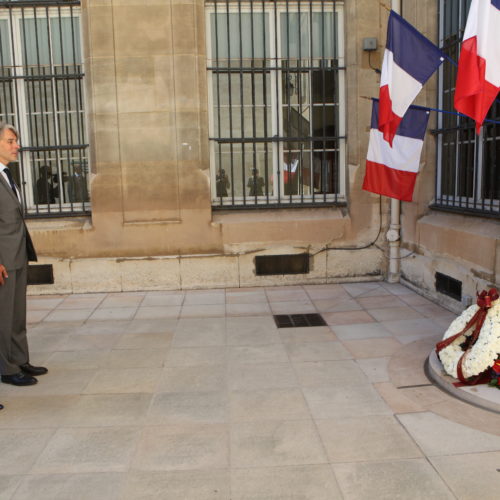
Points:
[(3, 274)]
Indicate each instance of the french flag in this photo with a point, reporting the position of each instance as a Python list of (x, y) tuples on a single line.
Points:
[(392, 171), (478, 77), (409, 61)]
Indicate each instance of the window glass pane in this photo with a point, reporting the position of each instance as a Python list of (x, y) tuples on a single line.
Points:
[(256, 183), (242, 122), (324, 86), (236, 35), (294, 35), (227, 88), (6, 95), (323, 32), (324, 172), (6, 98), (46, 180), (450, 18), (296, 172), (68, 128), (263, 120), (324, 124), (40, 106), (35, 40), (448, 163), (296, 121), (75, 177), (243, 171), (254, 86), (295, 87), (66, 40), (4, 43)]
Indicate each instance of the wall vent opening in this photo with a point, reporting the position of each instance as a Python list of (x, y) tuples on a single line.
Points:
[(40, 274), (449, 286), (266, 265)]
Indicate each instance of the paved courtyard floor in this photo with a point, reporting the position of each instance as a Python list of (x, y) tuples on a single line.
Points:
[(197, 395)]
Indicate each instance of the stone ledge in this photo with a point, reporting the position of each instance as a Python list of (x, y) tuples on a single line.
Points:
[(271, 215), (58, 223), (299, 226), (189, 272), (442, 233)]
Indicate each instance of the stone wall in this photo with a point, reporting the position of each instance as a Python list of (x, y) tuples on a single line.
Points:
[(152, 225)]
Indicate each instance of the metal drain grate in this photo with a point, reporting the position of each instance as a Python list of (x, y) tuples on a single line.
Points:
[(449, 286), (295, 320)]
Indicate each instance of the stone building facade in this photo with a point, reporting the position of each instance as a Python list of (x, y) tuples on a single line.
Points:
[(155, 219)]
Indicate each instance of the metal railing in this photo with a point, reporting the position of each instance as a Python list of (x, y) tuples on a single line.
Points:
[(42, 95), (468, 176), (276, 94)]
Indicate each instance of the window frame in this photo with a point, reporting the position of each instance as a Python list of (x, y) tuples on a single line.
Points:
[(52, 151), (273, 145), (467, 171)]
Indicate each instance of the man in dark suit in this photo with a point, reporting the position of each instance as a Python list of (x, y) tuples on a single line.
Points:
[(16, 248)]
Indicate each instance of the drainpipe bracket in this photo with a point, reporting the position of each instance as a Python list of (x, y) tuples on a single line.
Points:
[(392, 235)]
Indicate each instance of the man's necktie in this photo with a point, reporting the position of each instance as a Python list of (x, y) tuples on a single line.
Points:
[(11, 180)]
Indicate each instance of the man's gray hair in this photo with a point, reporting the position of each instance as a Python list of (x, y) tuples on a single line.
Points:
[(7, 126)]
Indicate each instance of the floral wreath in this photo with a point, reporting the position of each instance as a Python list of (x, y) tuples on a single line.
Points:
[(471, 344)]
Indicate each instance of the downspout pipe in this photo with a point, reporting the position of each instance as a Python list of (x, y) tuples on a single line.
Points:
[(394, 233)]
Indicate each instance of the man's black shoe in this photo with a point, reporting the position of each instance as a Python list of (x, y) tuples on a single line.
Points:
[(1, 407), (19, 379), (33, 370)]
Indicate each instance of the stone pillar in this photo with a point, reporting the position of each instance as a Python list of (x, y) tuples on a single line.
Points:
[(147, 110)]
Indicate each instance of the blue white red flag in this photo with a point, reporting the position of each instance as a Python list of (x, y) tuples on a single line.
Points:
[(478, 77), (409, 61), (392, 171)]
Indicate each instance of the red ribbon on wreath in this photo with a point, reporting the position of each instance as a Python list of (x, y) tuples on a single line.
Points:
[(484, 301)]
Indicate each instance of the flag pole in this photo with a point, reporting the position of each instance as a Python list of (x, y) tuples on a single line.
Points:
[(394, 234)]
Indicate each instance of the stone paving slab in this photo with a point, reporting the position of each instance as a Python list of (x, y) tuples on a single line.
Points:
[(197, 395)]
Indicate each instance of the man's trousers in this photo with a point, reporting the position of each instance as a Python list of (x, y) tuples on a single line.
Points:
[(13, 342)]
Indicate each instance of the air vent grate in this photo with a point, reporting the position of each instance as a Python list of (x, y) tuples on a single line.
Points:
[(298, 320), (449, 286)]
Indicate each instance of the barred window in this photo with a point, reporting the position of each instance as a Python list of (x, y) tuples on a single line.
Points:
[(276, 93), (468, 176), (41, 94)]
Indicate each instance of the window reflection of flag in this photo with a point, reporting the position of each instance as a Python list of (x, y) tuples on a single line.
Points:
[(290, 170)]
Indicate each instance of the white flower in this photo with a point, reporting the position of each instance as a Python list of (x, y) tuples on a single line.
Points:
[(483, 353)]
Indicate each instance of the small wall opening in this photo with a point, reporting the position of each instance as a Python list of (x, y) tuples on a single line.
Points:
[(40, 274), (449, 286), (266, 265)]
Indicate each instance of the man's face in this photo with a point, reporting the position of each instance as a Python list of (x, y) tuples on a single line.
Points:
[(9, 147)]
